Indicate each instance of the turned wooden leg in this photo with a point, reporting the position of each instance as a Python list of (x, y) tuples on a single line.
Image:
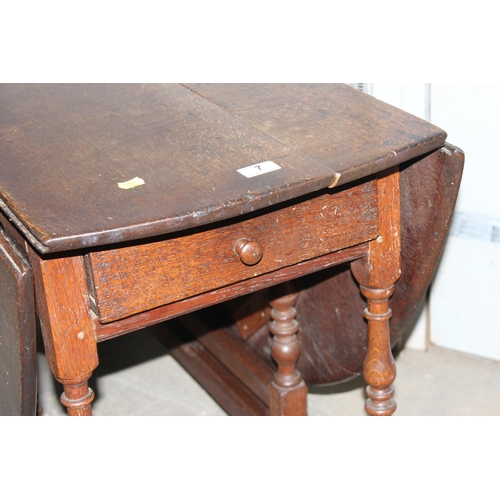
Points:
[(77, 397), (376, 274), (288, 391), (379, 368), (67, 328)]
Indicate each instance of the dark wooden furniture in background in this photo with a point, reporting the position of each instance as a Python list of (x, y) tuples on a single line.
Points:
[(128, 203)]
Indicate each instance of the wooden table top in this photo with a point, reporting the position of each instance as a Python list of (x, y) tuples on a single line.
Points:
[(84, 165)]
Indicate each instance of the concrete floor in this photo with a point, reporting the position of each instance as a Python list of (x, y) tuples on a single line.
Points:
[(137, 376)]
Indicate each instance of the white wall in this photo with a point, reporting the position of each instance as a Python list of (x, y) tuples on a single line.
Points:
[(466, 291)]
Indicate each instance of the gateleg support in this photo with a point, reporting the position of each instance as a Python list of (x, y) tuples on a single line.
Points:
[(287, 391)]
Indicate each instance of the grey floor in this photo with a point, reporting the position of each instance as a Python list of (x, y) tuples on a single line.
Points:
[(137, 376)]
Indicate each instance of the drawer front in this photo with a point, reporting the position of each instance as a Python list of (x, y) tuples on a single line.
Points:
[(129, 280)]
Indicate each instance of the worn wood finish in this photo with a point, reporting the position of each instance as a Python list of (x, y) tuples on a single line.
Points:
[(379, 368), (348, 131), (287, 391), (250, 314), (67, 152), (77, 142), (377, 273), (68, 331), (333, 333), (136, 278), (18, 364), (238, 358), (105, 331)]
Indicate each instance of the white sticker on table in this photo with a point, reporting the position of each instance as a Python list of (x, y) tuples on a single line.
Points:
[(132, 183), (258, 169)]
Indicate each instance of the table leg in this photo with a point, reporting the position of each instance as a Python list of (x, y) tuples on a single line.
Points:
[(379, 368), (67, 329), (376, 275), (77, 397), (288, 391)]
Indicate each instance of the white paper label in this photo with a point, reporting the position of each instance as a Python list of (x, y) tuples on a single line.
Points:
[(258, 169), (132, 183)]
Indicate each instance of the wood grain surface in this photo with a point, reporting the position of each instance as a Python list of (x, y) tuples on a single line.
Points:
[(65, 148), (348, 131), (18, 357), (136, 278), (333, 332)]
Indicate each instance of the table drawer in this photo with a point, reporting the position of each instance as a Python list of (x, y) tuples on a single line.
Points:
[(129, 280)]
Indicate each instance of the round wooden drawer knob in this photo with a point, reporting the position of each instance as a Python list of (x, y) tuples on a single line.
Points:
[(250, 252)]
